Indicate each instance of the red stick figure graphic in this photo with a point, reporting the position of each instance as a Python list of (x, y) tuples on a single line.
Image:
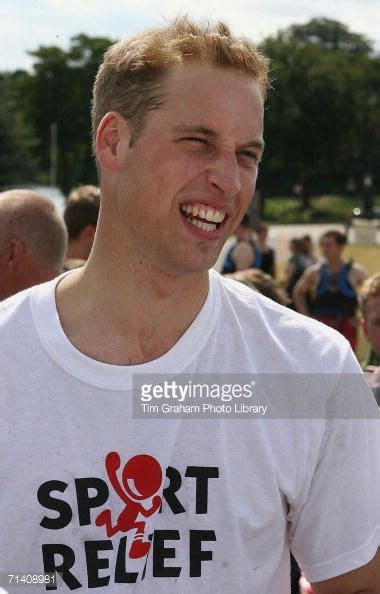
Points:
[(141, 479)]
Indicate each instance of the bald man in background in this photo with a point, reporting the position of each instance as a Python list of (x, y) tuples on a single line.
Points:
[(33, 241)]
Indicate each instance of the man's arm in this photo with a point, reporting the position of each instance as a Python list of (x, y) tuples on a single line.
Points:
[(358, 275), (303, 286), (364, 580)]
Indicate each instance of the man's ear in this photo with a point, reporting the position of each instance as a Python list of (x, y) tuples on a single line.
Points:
[(112, 137), (88, 233), (14, 252)]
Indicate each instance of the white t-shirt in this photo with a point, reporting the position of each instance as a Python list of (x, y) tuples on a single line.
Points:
[(238, 491)]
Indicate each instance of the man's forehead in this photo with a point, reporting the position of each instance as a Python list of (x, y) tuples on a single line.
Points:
[(200, 84)]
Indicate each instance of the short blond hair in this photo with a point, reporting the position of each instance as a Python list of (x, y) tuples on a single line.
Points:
[(370, 288), (130, 78)]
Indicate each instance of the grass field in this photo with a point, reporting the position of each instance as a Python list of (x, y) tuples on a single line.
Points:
[(366, 255), (323, 209)]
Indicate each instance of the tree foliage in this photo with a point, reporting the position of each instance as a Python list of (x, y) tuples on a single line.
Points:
[(323, 111), (58, 91)]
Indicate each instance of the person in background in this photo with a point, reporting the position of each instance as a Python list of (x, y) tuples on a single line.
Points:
[(308, 250), (244, 253), (81, 217), (261, 282), (332, 287), (268, 257), (370, 308), (33, 241), (295, 266), (369, 298)]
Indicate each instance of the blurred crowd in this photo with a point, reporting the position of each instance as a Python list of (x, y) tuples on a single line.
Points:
[(320, 283)]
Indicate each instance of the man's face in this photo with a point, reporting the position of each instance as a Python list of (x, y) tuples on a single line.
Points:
[(372, 323), (187, 181), (330, 248)]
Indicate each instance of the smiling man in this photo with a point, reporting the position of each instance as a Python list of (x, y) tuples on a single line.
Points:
[(115, 500)]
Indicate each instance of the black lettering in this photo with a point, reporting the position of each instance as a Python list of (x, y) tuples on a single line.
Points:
[(201, 475), (85, 502), (121, 575), (196, 553), (160, 553), (46, 500), (168, 493), (92, 547), (68, 559), (146, 560)]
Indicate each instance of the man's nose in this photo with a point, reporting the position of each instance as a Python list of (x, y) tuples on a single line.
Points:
[(224, 173)]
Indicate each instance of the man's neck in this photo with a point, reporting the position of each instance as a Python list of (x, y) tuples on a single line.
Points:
[(76, 251), (335, 264), (127, 315)]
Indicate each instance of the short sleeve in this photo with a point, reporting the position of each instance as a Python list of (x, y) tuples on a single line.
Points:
[(336, 528)]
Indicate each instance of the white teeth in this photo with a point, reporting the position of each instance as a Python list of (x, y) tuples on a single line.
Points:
[(208, 214), (200, 225)]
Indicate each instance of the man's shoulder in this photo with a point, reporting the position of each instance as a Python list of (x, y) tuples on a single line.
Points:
[(357, 271), (283, 330)]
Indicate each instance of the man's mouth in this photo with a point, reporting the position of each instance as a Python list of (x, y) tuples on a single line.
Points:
[(202, 216)]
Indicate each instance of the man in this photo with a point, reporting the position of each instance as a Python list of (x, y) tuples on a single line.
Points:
[(81, 217), (263, 283), (33, 241), (178, 123), (308, 250), (370, 309), (295, 267), (244, 253), (332, 286), (268, 259)]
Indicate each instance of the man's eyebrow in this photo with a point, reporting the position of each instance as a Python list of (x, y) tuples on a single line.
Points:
[(260, 144), (200, 129)]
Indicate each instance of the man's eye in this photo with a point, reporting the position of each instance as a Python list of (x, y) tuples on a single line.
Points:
[(196, 139), (250, 155)]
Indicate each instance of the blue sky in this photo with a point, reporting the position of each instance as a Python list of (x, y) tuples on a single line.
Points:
[(27, 24)]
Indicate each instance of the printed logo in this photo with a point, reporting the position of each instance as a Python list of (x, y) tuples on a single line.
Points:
[(141, 479), (124, 543)]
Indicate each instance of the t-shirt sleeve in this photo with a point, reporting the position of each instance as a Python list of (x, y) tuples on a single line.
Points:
[(336, 528)]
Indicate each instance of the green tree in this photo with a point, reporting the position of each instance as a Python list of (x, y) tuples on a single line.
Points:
[(17, 161), (319, 125), (58, 91)]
